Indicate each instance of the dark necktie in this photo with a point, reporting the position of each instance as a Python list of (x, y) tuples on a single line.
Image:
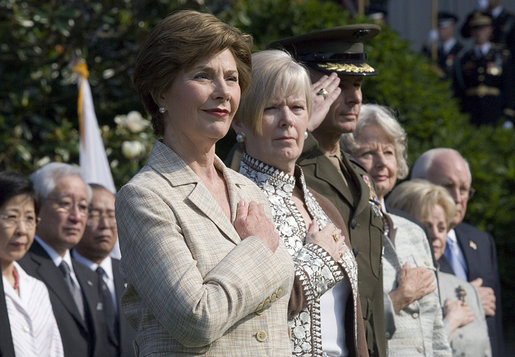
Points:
[(74, 288), (107, 302)]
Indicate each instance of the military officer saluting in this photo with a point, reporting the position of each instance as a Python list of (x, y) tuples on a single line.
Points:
[(484, 76)]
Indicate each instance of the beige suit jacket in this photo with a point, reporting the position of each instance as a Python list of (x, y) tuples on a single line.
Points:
[(195, 288)]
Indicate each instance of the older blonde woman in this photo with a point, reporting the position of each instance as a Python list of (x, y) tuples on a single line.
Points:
[(206, 270), (463, 313), (412, 307), (271, 125)]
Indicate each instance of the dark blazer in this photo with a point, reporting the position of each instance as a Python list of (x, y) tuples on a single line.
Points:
[(480, 253), (365, 228), (127, 333), (80, 338), (6, 340)]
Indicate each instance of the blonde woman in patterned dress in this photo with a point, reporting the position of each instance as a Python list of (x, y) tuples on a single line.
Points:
[(325, 318)]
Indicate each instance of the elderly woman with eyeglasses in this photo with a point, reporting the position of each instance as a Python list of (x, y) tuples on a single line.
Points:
[(32, 323)]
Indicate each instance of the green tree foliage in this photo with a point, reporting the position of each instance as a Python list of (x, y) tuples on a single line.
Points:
[(38, 93)]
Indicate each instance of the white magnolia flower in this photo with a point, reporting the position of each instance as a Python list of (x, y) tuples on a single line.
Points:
[(135, 122), (132, 149)]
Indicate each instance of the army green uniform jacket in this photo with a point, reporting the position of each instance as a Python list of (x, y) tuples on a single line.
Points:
[(365, 226)]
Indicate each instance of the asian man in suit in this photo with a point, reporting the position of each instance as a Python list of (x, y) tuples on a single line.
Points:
[(94, 250), (474, 256), (73, 288)]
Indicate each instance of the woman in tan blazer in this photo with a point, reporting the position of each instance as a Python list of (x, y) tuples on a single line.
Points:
[(325, 313), (207, 274)]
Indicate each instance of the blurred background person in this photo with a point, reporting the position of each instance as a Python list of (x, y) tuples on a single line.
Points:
[(328, 169), (271, 125), (463, 314), (470, 253), (32, 324), (93, 250), (73, 288), (484, 77), (448, 46), (411, 299), (207, 272)]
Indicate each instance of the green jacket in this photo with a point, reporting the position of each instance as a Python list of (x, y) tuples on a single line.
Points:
[(365, 228)]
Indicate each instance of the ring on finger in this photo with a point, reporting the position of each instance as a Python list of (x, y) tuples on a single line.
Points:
[(335, 238), (323, 92)]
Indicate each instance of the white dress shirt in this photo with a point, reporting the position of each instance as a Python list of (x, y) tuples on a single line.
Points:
[(57, 259), (33, 326)]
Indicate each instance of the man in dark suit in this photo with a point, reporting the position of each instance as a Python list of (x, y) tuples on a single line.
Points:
[(94, 250), (471, 253), (6, 340), (73, 288), (330, 171)]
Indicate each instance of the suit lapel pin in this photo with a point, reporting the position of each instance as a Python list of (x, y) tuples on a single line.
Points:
[(100, 307), (473, 245), (90, 283)]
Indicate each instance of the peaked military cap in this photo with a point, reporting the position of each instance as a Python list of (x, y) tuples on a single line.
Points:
[(338, 49), (446, 18), (475, 20)]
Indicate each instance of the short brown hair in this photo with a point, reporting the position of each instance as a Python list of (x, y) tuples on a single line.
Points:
[(177, 43)]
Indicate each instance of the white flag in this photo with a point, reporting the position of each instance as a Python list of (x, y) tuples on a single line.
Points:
[(94, 166)]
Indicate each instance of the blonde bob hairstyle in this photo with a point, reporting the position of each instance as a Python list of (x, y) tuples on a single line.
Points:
[(384, 117), (418, 197), (275, 74), (176, 44)]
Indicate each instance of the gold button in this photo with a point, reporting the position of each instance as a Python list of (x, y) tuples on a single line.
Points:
[(279, 292), (267, 302), (420, 349), (415, 315), (273, 297), (261, 336)]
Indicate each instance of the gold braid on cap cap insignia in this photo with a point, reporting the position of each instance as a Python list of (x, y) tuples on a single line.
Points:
[(339, 67)]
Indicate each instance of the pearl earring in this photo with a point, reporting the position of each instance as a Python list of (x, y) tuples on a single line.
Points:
[(306, 134), (241, 137), (162, 110)]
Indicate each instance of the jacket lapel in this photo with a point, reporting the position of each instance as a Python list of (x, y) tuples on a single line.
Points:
[(165, 161), (468, 247), (52, 277), (323, 169)]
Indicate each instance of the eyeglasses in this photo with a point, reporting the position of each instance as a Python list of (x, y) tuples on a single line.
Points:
[(66, 205), (464, 191), (13, 220), (95, 217)]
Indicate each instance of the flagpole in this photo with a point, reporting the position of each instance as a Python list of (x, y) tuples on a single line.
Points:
[(434, 25)]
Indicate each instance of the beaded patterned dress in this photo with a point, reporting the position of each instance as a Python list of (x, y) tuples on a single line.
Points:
[(314, 267)]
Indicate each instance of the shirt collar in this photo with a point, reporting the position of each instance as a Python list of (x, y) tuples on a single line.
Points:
[(105, 264), (56, 258)]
